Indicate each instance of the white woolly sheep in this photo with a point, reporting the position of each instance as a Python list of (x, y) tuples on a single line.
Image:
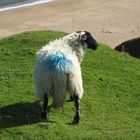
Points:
[(57, 70)]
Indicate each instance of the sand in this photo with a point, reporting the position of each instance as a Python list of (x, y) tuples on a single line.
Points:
[(110, 21)]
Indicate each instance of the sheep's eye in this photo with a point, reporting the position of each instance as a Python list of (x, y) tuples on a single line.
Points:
[(84, 37)]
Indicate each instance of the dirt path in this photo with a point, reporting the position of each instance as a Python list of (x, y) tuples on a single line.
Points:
[(110, 21)]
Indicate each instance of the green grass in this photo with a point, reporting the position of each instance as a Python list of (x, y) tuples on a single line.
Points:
[(110, 108)]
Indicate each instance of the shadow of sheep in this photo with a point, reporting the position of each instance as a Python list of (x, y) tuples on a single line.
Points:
[(19, 114)]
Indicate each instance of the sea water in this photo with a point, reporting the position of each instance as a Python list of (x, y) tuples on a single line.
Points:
[(14, 4)]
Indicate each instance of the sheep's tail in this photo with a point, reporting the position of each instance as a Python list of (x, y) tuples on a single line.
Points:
[(58, 99), (59, 90)]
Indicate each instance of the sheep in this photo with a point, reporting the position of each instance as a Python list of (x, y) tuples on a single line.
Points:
[(57, 70)]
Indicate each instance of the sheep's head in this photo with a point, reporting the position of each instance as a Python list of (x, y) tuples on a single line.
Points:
[(86, 39), (82, 38)]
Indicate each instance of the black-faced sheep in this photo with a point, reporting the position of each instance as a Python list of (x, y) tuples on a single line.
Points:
[(57, 70)]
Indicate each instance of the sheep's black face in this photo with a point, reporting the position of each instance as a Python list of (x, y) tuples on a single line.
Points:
[(87, 38)]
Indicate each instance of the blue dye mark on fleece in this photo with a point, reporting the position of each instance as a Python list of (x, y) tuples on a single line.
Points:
[(57, 62)]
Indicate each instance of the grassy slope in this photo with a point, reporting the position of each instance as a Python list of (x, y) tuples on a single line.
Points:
[(110, 108)]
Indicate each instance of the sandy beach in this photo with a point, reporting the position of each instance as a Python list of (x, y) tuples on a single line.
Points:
[(111, 22)]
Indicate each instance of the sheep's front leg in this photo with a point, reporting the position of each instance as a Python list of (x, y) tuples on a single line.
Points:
[(45, 107), (77, 109)]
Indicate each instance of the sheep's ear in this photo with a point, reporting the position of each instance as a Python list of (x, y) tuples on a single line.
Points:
[(84, 37)]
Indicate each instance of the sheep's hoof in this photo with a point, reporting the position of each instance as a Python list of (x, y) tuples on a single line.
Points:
[(43, 115), (76, 120)]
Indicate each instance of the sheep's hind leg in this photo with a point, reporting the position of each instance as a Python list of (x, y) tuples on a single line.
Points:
[(45, 107), (71, 98), (77, 109)]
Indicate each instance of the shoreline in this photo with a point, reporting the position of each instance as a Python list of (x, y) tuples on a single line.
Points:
[(24, 5), (111, 28)]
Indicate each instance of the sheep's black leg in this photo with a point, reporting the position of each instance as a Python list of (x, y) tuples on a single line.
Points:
[(77, 109), (71, 98), (45, 107)]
